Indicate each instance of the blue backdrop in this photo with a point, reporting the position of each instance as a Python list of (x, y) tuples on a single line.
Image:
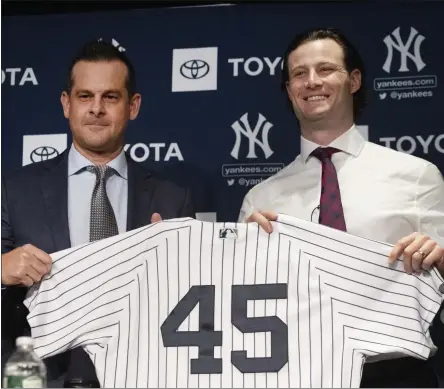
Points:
[(212, 109), (207, 72)]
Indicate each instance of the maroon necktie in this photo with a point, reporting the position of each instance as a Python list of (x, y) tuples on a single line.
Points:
[(331, 212)]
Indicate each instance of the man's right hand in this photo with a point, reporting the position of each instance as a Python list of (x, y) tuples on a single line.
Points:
[(263, 219), (25, 265), (155, 217)]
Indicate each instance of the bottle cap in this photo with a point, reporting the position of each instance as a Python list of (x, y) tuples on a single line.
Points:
[(24, 341)]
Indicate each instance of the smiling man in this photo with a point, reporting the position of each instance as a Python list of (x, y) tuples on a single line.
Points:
[(345, 182), (92, 191)]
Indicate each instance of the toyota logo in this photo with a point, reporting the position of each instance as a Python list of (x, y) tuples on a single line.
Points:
[(43, 153), (194, 69)]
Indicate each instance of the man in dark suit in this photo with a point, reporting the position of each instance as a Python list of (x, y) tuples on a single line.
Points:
[(91, 191)]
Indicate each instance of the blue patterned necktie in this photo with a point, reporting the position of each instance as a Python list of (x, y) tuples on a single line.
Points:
[(331, 212), (102, 222)]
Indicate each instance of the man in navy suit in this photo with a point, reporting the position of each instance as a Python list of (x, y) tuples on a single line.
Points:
[(47, 206)]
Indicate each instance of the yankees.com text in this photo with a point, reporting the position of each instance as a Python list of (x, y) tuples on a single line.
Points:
[(256, 169)]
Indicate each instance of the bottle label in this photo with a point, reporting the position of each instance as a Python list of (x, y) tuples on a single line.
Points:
[(22, 382)]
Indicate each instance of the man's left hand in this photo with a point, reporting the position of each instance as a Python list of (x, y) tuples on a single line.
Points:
[(419, 252)]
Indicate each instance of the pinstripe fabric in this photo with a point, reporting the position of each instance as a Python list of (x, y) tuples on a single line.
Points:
[(179, 304)]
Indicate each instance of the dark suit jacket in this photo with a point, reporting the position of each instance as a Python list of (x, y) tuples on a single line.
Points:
[(35, 210)]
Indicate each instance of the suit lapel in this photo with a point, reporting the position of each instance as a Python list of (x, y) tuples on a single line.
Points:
[(55, 195), (140, 195)]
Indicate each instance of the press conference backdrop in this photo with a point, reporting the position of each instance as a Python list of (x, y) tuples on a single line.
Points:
[(212, 110)]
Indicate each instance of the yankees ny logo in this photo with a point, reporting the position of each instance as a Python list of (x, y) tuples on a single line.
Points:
[(403, 49), (242, 127)]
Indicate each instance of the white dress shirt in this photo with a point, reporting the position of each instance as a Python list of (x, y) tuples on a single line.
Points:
[(385, 194), (80, 188)]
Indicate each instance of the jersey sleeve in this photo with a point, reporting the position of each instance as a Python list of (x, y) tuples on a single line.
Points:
[(81, 300), (376, 309)]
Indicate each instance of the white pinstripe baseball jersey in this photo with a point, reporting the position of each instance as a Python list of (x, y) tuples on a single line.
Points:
[(184, 303)]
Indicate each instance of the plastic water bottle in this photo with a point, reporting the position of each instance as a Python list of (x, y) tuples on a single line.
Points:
[(24, 369)]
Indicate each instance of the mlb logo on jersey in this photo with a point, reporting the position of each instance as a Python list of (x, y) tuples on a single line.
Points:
[(228, 233)]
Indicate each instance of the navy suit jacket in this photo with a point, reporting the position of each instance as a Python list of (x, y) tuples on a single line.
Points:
[(35, 210)]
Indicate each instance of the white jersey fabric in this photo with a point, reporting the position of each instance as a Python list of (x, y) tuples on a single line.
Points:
[(191, 304)]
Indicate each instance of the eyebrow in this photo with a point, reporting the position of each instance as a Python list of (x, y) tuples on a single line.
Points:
[(105, 92), (320, 63), (301, 66)]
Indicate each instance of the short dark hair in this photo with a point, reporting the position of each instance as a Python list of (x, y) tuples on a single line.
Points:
[(352, 60), (96, 51)]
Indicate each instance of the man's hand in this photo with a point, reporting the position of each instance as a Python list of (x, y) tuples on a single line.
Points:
[(419, 252), (263, 219), (155, 217), (25, 265)]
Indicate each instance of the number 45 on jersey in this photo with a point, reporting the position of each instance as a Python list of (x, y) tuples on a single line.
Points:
[(206, 338)]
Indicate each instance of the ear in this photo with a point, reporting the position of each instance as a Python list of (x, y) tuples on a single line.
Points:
[(64, 99), (135, 102), (355, 81)]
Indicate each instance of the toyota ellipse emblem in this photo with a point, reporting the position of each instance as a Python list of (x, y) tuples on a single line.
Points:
[(194, 69), (43, 153)]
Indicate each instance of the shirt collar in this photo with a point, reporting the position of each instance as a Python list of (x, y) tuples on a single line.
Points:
[(77, 161), (350, 142)]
